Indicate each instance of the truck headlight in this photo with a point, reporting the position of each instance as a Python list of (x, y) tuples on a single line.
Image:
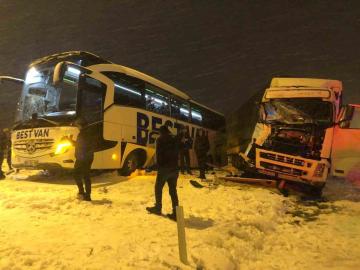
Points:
[(62, 147)]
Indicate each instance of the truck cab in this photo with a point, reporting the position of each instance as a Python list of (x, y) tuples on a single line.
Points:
[(292, 131)]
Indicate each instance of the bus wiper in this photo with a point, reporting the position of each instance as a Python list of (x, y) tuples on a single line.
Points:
[(32, 123), (48, 121)]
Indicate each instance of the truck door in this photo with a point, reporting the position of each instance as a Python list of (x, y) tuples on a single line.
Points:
[(346, 145)]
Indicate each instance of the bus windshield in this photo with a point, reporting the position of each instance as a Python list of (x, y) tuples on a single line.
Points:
[(298, 111), (41, 97)]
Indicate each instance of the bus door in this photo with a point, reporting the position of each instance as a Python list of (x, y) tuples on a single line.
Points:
[(90, 105), (346, 145)]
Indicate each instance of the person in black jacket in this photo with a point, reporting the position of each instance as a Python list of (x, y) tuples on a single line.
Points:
[(8, 147), (202, 147), (185, 144), (167, 160), (2, 151), (84, 154)]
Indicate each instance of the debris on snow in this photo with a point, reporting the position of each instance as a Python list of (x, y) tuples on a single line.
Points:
[(44, 226)]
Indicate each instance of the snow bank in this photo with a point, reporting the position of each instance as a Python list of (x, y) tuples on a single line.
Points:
[(44, 226)]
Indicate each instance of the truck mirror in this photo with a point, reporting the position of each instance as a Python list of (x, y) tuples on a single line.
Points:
[(344, 123), (262, 113), (348, 113), (346, 116)]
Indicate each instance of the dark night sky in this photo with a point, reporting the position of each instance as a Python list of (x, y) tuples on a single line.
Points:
[(220, 52)]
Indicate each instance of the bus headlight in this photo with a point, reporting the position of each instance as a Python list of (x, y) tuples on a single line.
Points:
[(63, 147)]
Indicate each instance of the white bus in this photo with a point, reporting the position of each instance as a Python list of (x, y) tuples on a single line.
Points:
[(123, 106)]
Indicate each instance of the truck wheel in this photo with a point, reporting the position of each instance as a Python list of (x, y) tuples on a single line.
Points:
[(317, 192), (131, 163)]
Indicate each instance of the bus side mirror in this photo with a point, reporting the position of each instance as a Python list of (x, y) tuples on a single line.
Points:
[(59, 71), (69, 72)]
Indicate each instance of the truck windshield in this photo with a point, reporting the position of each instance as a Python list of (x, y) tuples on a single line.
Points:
[(298, 111), (41, 97)]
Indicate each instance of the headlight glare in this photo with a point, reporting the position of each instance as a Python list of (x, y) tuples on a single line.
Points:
[(63, 147)]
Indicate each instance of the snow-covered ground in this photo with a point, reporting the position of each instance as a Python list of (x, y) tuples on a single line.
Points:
[(44, 226)]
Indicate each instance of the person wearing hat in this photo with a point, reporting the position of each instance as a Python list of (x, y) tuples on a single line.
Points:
[(167, 154), (84, 154)]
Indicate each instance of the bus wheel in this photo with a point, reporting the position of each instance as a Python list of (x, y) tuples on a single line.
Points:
[(131, 163)]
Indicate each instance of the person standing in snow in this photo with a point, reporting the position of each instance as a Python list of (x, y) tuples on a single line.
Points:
[(167, 154), (2, 151), (8, 147), (84, 154), (202, 147), (185, 144)]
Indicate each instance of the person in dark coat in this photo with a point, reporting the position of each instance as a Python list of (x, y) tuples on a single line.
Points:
[(185, 144), (167, 154), (84, 154), (8, 147), (202, 147), (2, 151)]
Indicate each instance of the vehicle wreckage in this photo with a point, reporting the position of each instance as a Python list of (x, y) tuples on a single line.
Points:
[(291, 134)]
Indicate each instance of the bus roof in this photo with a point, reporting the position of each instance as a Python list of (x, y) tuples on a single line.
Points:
[(137, 74), (142, 76), (99, 64), (81, 58), (334, 85)]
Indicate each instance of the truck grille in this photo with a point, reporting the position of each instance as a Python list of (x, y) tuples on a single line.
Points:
[(282, 169), (284, 159), (33, 146)]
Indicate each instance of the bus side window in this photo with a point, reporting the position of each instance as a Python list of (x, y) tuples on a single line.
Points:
[(196, 115), (128, 90), (180, 109), (156, 100)]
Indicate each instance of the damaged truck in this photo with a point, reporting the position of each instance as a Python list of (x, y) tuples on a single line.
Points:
[(286, 132)]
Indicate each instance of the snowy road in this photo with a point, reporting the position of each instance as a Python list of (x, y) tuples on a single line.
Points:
[(43, 226)]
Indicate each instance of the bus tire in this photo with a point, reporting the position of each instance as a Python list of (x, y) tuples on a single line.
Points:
[(135, 160)]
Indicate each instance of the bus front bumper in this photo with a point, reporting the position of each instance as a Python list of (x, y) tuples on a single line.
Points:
[(46, 162)]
